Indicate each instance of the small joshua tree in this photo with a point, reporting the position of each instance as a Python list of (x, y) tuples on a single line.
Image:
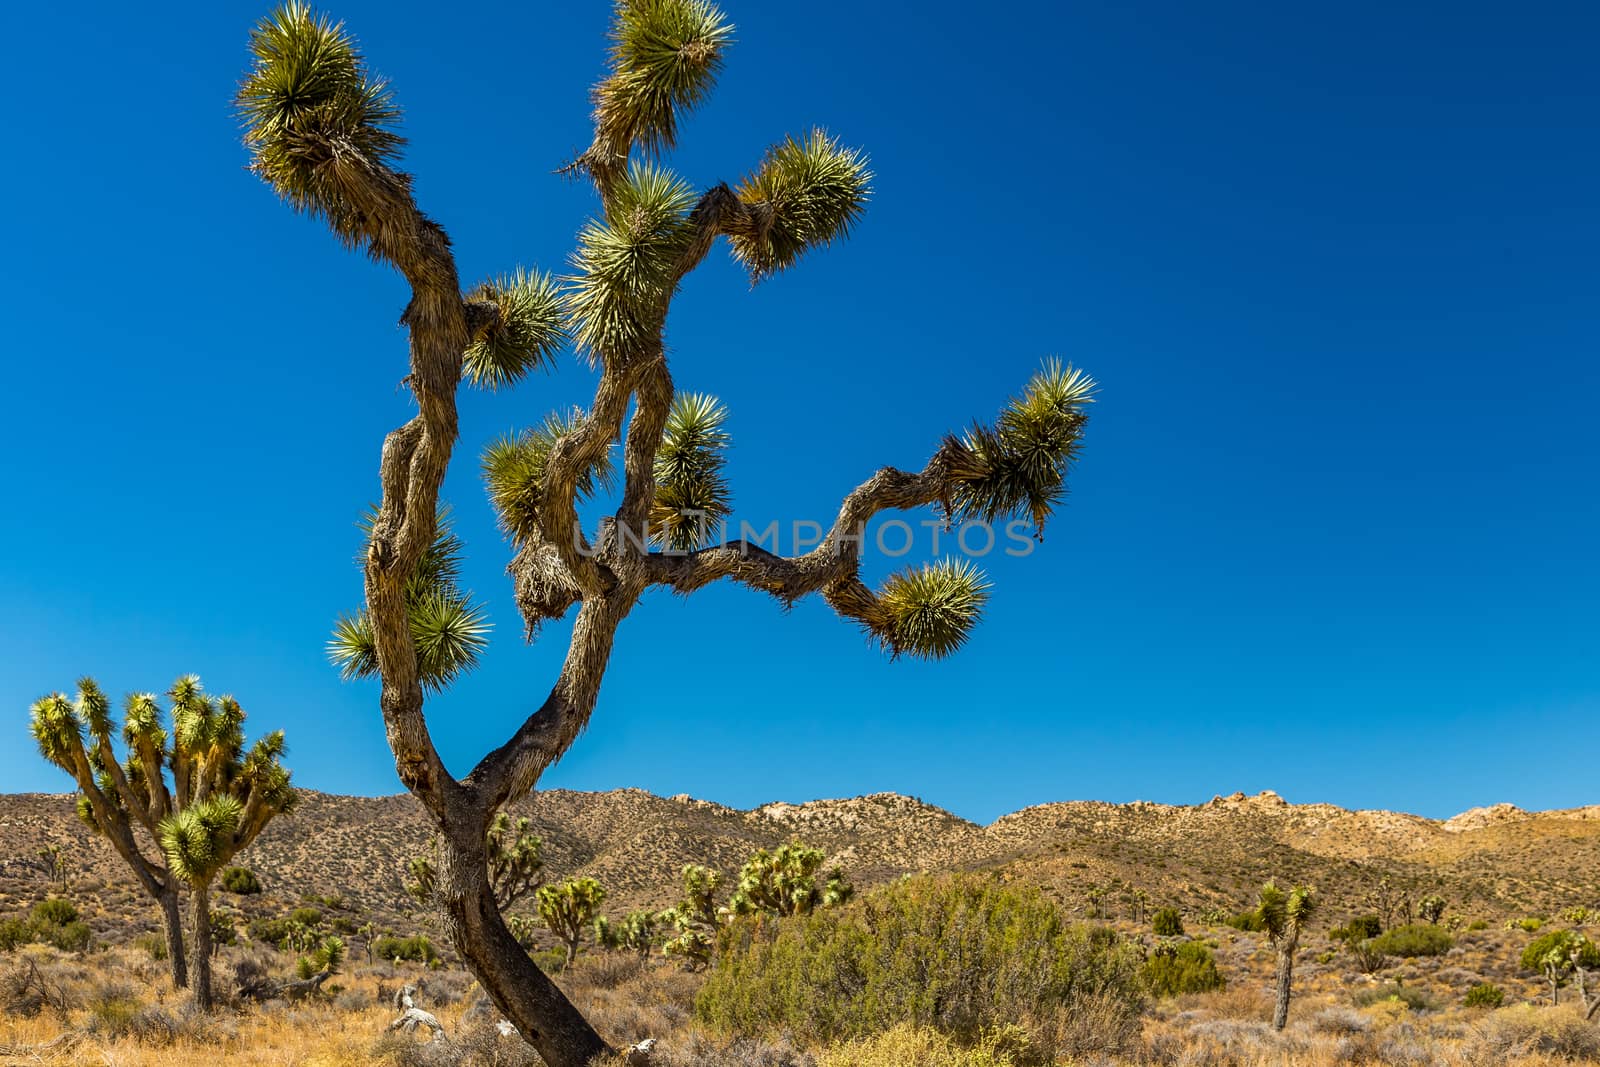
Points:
[(1431, 908), (1563, 956), (516, 863), (637, 932), (1284, 917), (323, 133), (695, 918), (568, 909), (1168, 922), (57, 866), (216, 802), (784, 881)]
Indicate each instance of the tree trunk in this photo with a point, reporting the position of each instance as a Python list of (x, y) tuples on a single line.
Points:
[(173, 920), (1280, 1014), (524, 994), (200, 910)]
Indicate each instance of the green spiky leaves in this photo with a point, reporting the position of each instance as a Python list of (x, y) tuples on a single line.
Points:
[(58, 729), (665, 55), (528, 331), (1026, 455), (692, 496), (514, 467), (626, 266), (806, 194), (199, 840), (319, 127), (1284, 915), (448, 630), (928, 611)]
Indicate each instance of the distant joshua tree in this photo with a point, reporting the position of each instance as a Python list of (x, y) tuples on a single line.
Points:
[(570, 908), (1284, 917), (784, 881), (196, 791), (695, 917), (636, 932), (516, 864), (323, 133), (1431, 908), (57, 866)]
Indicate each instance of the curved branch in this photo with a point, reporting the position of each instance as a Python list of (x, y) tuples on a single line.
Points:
[(832, 566)]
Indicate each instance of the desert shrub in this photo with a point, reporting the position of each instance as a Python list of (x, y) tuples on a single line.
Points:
[(1167, 923), (1249, 921), (55, 911), (240, 880), (15, 931), (112, 1009), (223, 930), (1359, 928), (269, 931), (1560, 942), (69, 937), (959, 955), (1366, 956), (908, 1046), (306, 916), (1186, 968), (1416, 939), (1527, 924), (1477, 924), (1515, 1032), (153, 945), (416, 949), (1485, 995), (26, 990), (1413, 997)]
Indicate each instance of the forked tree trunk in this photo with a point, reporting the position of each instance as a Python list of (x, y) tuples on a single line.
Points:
[(524, 994), (1280, 1014), (200, 909), (172, 918)]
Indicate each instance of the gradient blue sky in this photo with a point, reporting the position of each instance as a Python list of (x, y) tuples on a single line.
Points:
[(1335, 528)]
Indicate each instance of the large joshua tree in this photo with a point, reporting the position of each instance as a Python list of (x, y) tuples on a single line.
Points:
[(1284, 917), (219, 798), (322, 131)]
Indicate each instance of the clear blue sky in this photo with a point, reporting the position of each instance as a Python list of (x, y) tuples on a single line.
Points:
[(1334, 532)]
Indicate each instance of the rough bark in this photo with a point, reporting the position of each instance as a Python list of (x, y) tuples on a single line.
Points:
[(1280, 1013), (172, 919), (200, 946)]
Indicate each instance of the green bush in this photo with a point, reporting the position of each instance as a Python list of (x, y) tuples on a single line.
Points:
[(1167, 923), (1528, 924), (1560, 941), (417, 949), (1359, 928), (1249, 921), (240, 880), (1186, 968), (272, 932), (961, 955), (54, 911), (1417, 939), (68, 937), (307, 917), (153, 944), (1485, 995), (1477, 924), (1412, 997), (13, 932)]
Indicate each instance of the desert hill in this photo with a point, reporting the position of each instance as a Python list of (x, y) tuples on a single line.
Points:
[(1491, 862)]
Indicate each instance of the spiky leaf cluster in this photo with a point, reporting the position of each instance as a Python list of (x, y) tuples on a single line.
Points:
[(806, 194), (665, 55), (1284, 915), (527, 332), (785, 881), (626, 265), (692, 494), (515, 857), (637, 932), (328, 958), (928, 611), (694, 918), (569, 908), (1026, 455), (319, 127), (514, 467), (199, 840), (448, 630)]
